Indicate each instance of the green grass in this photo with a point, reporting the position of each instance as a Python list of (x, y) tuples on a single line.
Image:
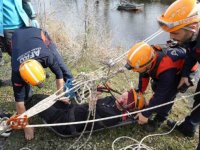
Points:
[(47, 140)]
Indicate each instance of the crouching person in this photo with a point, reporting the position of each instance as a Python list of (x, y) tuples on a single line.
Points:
[(32, 51), (105, 107), (163, 67)]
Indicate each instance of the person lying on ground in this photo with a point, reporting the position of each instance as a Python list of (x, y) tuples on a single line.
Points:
[(106, 107), (32, 51)]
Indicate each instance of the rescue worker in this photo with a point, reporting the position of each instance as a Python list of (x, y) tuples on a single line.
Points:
[(105, 107), (181, 20), (15, 14), (163, 67), (33, 50)]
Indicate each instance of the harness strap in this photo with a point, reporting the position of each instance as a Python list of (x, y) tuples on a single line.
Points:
[(160, 55), (125, 116), (107, 89)]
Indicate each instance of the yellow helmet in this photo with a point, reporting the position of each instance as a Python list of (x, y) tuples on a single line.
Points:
[(140, 56), (32, 72), (179, 14)]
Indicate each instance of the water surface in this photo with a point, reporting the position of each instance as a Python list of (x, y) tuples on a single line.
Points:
[(125, 28)]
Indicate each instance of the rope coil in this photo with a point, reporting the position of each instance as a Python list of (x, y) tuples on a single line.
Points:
[(139, 145)]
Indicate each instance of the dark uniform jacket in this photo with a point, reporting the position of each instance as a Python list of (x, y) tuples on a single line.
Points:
[(33, 43), (165, 73)]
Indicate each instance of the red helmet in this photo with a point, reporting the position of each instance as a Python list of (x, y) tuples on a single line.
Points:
[(134, 101)]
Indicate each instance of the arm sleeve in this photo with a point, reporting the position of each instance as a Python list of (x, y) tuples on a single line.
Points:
[(28, 8), (55, 68), (143, 82), (165, 86), (190, 61)]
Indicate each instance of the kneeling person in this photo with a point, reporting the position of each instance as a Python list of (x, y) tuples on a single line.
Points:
[(163, 67)]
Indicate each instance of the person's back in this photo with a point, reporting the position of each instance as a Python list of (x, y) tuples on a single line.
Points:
[(34, 43), (28, 44)]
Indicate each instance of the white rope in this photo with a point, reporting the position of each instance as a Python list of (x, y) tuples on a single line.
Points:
[(112, 62), (132, 147), (113, 117), (139, 145), (93, 112), (49, 101), (39, 107), (118, 59), (92, 128), (153, 36), (77, 140)]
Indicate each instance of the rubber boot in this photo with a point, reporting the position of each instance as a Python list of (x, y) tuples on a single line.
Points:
[(154, 124)]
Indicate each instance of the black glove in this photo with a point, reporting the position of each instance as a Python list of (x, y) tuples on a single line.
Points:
[(184, 87)]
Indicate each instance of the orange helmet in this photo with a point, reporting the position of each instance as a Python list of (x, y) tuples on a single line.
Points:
[(179, 14), (140, 56), (134, 101), (139, 100), (32, 72)]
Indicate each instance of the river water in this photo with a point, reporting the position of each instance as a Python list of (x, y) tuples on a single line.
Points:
[(125, 28)]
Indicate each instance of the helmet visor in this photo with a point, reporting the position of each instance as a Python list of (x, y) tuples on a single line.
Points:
[(169, 25), (141, 68)]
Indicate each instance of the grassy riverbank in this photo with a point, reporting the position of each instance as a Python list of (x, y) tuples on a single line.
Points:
[(45, 139), (87, 53)]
